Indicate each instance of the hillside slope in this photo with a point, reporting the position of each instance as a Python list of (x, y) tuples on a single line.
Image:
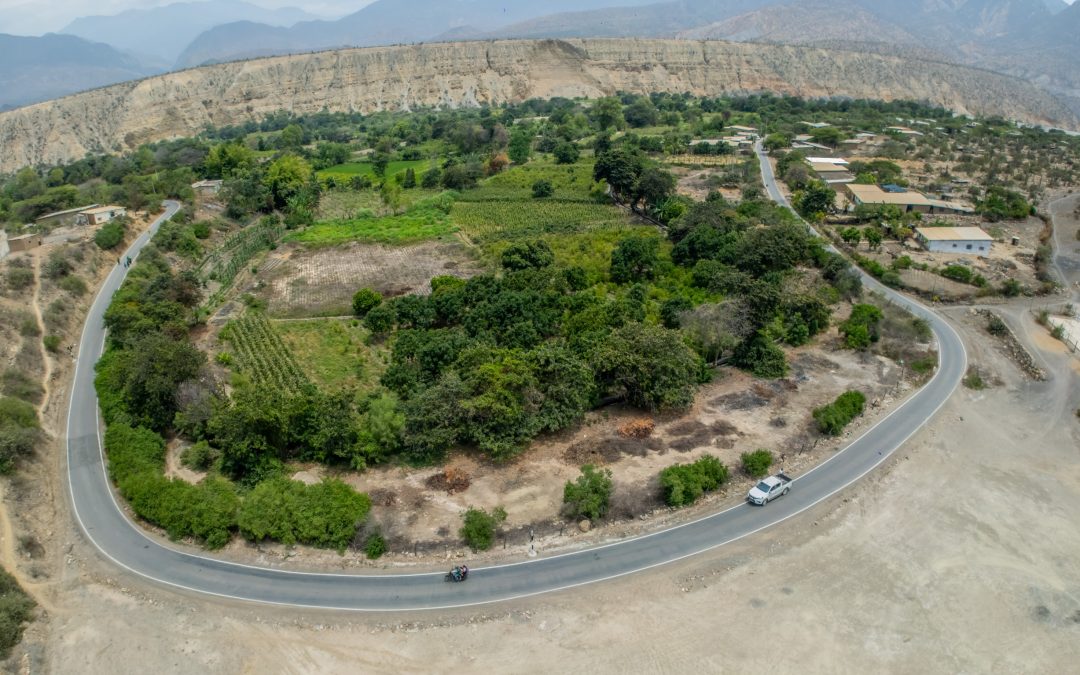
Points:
[(121, 117)]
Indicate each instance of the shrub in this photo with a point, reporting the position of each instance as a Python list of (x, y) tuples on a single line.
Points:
[(19, 385), (832, 418), (974, 379), (199, 457), (996, 327), (756, 464), (73, 284), (683, 484), (15, 608), (761, 357), (19, 278), (51, 342), (525, 255), (375, 546), (201, 230), (380, 319), (958, 273), (1011, 288), (589, 495), (479, 526), (110, 235), (364, 301), (325, 514), (861, 328), (542, 189), (924, 365)]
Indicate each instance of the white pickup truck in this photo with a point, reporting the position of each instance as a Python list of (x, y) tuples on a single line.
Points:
[(769, 489)]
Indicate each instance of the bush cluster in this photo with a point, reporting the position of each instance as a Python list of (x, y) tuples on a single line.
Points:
[(19, 431), (15, 611), (479, 527), (683, 484), (589, 495), (832, 418), (325, 514), (756, 464)]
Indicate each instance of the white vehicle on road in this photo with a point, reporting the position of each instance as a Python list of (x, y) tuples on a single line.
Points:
[(769, 489)]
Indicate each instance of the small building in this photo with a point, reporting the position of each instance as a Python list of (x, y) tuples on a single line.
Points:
[(909, 201), (966, 240), (63, 218), (101, 215), (833, 171), (24, 243), (208, 186)]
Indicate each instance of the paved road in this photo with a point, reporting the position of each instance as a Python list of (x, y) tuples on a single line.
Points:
[(127, 546)]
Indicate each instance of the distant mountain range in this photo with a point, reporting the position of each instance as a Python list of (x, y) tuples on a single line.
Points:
[(380, 23), (1038, 40), (162, 33), (40, 68)]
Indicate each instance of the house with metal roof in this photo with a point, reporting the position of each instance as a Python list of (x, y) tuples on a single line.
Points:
[(964, 240)]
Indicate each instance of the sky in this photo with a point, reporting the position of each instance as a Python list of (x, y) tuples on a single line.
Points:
[(36, 17)]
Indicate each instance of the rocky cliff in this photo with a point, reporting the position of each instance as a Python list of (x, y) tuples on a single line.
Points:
[(120, 117)]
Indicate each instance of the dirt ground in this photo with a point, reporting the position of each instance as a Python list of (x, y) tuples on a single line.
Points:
[(301, 282)]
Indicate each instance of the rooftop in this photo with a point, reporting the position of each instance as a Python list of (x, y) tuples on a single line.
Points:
[(102, 209), (872, 194), (79, 209), (953, 234)]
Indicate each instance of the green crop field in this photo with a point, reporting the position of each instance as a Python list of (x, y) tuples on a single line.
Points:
[(350, 169), (572, 182), (427, 219), (333, 353), (487, 221)]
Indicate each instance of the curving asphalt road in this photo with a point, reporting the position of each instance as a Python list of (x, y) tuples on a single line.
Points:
[(129, 547)]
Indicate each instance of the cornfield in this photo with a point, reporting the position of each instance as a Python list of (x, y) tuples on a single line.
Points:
[(486, 221), (262, 354)]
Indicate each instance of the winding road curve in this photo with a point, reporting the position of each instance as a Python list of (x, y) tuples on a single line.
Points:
[(129, 547)]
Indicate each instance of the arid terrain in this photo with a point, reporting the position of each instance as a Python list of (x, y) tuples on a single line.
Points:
[(121, 117), (960, 555)]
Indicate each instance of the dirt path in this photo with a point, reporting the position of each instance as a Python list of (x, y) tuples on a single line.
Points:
[(35, 306)]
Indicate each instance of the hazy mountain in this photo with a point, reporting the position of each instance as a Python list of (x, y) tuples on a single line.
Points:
[(1056, 6), (805, 22), (382, 22), (36, 69), (164, 32)]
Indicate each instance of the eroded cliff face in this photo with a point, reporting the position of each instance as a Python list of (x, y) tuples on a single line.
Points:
[(120, 117)]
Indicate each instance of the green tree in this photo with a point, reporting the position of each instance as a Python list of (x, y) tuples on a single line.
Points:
[(588, 496), (761, 357), (816, 200), (851, 236), (861, 328), (291, 137), (364, 301), (520, 148), (635, 259), (654, 187), (567, 152), (286, 178), (620, 168), (479, 527), (542, 189), (874, 237), (534, 254), (607, 113), (832, 418), (109, 235), (652, 365)]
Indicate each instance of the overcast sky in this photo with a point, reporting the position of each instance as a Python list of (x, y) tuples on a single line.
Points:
[(35, 17)]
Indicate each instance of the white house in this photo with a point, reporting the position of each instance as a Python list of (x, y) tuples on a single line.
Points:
[(101, 215), (965, 240)]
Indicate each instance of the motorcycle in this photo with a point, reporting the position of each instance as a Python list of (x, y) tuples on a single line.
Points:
[(458, 574)]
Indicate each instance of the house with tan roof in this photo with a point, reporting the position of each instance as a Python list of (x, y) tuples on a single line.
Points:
[(964, 240)]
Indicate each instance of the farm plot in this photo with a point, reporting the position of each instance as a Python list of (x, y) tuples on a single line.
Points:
[(334, 353), (321, 282), (570, 182), (225, 262), (350, 169), (483, 222), (262, 355)]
